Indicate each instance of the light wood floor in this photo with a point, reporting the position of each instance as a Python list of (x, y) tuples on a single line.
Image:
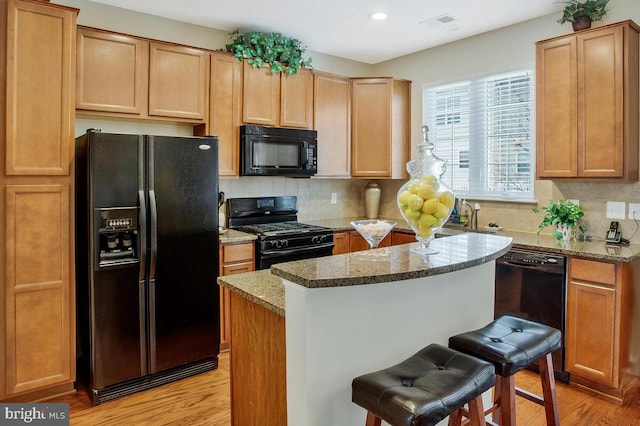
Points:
[(204, 400)]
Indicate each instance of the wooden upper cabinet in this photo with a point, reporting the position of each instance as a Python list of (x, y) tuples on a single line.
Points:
[(112, 72), (260, 96), (225, 110), (332, 121), (296, 99), (557, 146), (40, 93), (587, 104), (381, 110), (277, 100), (178, 81), (118, 75)]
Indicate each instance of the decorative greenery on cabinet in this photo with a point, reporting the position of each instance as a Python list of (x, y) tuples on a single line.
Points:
[(581, 14), (282, 53)]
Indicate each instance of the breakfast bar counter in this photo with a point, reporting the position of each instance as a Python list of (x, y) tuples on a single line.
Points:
[(346, 315)]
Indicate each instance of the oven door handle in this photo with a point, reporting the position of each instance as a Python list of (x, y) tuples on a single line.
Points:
[(552, 269), (296, 250)]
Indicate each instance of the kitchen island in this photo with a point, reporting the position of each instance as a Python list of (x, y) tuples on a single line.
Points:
[(299, 339)]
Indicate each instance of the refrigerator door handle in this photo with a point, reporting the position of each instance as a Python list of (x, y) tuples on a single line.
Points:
[(153, 212), (153, 366), (142, 220)]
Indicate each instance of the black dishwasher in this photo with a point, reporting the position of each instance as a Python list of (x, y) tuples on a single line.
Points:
[(532, 285)]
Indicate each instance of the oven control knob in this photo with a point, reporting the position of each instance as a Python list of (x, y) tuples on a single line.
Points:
[(278, 244), (319, 239)]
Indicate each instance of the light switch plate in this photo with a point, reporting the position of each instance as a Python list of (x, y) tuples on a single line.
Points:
[(334, 197), (634, 211), (616, 209)]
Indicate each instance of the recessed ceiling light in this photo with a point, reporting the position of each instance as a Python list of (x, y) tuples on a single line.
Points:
[(378, 16)]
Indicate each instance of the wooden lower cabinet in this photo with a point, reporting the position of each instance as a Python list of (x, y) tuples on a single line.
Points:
[(235, 258), (597, 324), (350, 241), (402, 238), (341, 242), (258, 365)]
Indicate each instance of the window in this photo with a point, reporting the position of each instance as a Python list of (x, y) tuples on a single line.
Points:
[(484, 130)]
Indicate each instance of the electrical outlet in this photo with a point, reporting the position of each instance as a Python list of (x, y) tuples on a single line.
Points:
[(616, 209), (634, 211), (334, 197), (576, 202)]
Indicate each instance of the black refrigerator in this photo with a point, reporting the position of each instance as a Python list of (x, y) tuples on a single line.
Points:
[(146, 260)]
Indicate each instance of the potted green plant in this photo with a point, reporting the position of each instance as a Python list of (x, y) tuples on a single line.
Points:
[(282, 54), (581, 14), (564, 215)]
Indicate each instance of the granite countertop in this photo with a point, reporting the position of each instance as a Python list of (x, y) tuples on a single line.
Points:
[(594, 249), (463, 250), (266, 289), (261, 287), (233, 236), (394, 263)]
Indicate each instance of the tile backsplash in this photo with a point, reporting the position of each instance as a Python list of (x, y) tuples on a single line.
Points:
[(314, 200)]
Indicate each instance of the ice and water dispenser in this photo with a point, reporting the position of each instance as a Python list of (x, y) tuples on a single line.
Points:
[(117, 235)]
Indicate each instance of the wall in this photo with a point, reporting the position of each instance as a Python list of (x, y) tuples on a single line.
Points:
[(509, 48)]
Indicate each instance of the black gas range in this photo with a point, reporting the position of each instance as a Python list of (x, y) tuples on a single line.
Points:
[(281, 238)]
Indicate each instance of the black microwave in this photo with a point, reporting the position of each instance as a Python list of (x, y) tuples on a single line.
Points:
[(277, 151)]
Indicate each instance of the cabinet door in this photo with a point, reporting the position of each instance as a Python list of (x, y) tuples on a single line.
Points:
[(341, 243), (40, 93), (296, 99), (556, 108), (357, 243), (332, 120), (260, 96), (234, 259), (402, 238), (178, 81), (39, 288), (600, 103), (224, 111), (590, 332), (371, 127), (112, 72)]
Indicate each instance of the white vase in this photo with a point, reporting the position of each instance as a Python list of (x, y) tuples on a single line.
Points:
[(372, 200), (565, 230)]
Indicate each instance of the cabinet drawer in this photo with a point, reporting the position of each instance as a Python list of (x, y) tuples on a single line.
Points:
[(237, 252), (588, 270), (237, 268)]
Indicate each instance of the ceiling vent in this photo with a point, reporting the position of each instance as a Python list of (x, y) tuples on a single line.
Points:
[(440, 22)]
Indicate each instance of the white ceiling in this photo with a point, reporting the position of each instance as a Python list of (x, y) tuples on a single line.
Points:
[(343, 28)]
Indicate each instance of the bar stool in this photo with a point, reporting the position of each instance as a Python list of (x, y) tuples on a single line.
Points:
[(511, 344), (425, 388)]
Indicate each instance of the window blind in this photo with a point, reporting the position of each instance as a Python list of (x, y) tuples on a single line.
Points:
[(484, 130)]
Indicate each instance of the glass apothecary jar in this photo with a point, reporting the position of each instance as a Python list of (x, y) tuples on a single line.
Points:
[(425, 201)]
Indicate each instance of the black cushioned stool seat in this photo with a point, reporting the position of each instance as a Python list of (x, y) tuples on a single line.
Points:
[(511, 344), (425, 388)]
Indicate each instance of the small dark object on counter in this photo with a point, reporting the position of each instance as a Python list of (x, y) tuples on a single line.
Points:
[(494, 225)]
